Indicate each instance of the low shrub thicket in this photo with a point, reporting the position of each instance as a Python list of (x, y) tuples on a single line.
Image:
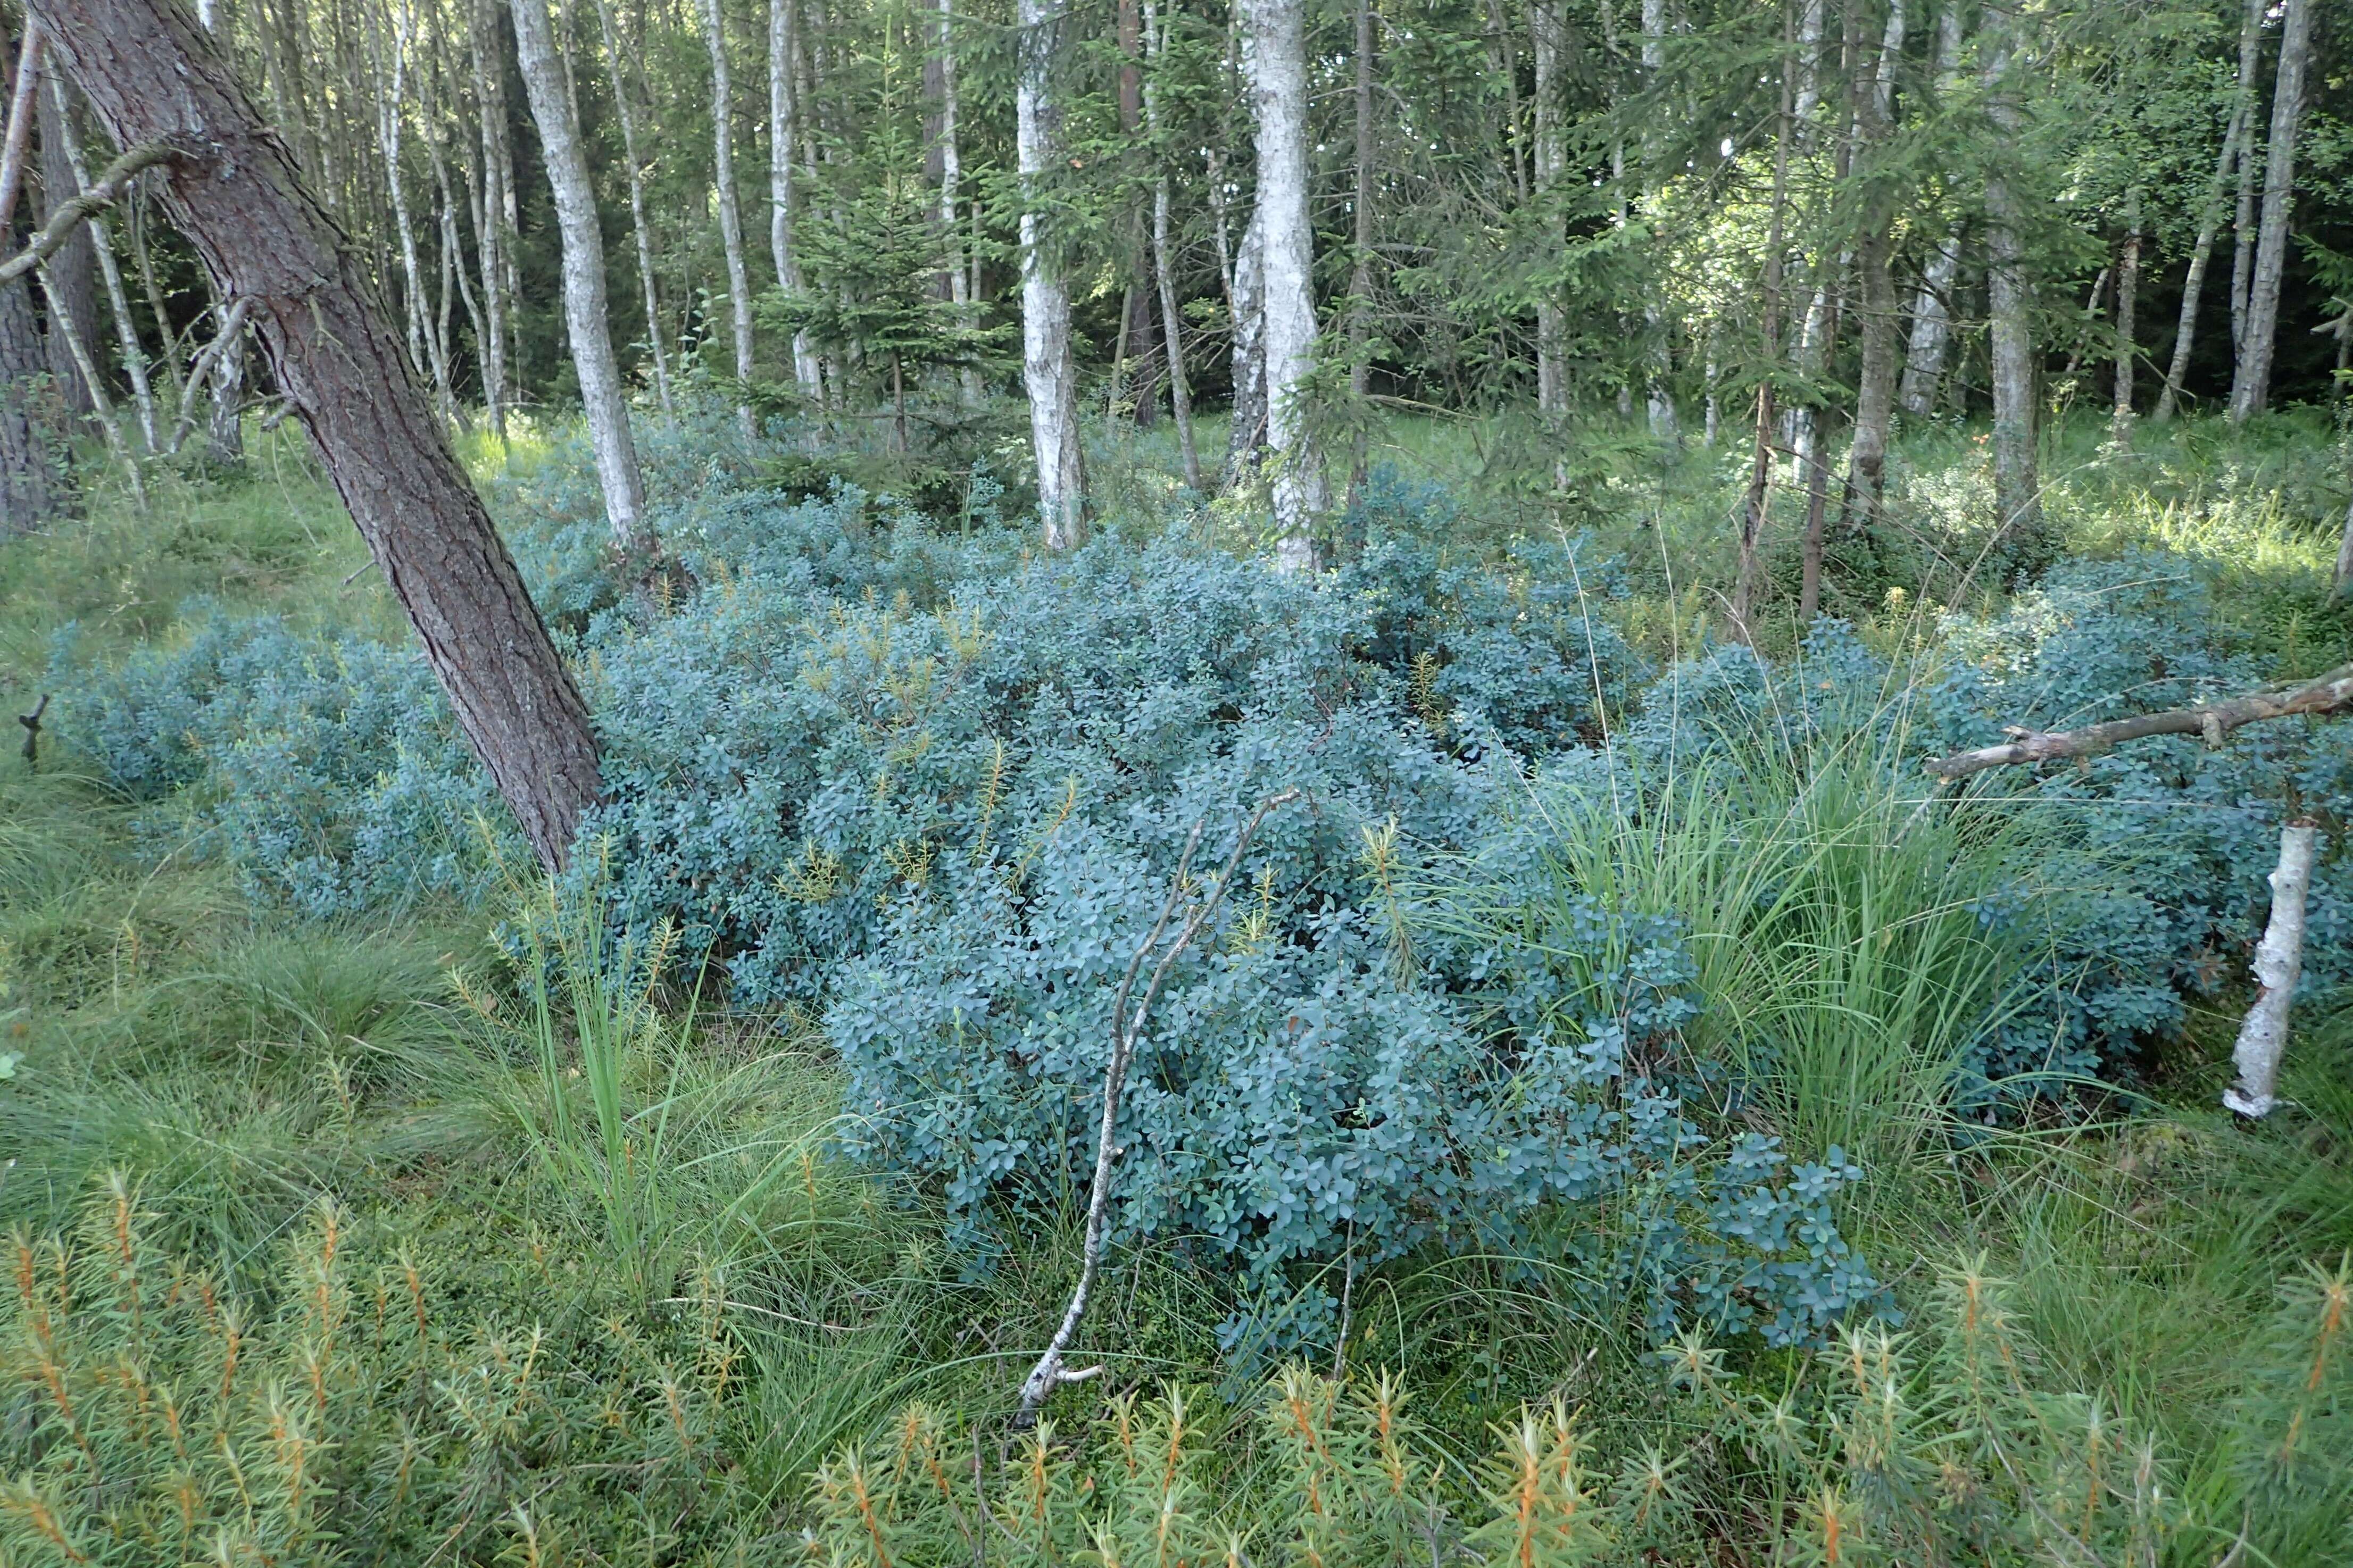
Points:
[(895, 776)]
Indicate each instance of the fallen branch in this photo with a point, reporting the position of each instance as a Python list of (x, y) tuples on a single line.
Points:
[(1049, 1374), (71, 214), (2331, 693)]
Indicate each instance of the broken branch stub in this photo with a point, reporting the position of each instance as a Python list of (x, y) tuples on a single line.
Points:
[(2279, 962)]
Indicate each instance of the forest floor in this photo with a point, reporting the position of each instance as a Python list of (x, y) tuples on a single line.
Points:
[(232, 1070)]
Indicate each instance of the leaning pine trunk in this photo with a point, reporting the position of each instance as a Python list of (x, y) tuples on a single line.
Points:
[(2279, 961), (586, 327), (152, 74), (1047, 370), (1277, 67), (2252, 387), (731, 213)]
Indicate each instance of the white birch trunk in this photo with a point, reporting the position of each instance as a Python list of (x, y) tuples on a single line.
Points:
[(1247, 434), (784, 123), (2279, 961), (1047, 371), (489, 223), (1657, 332), (1180, 390), (1276, 65), (2251, 389), (2193, 282), (960, 290), (126, 330), (586, 329), (730, 211), (2018, 502), (642, 231), (2243, 221), (1551, 160), (1932, 321)]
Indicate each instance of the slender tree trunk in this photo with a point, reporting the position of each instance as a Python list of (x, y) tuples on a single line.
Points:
[(1932, 320), (1360, 274), (1164, 267), (1551, 163), (225, 426), (490, 225), (784, 126), (605, 403), (33, 488), (1657, 331), (1047, 369), (66, 328), (2251, 388), (1760, 464), (730, 214), (1875, 401), (2243, 221), (625, 111), (2127, 300), (960, 293), (1277, 66), (153, 75), (2193, 282), (101, 232), (389, 111), (69, 278), (2017, 485), (1247, 435)]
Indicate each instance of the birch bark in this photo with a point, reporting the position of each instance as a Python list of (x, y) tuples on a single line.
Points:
[(730, 211), (1048, 373), (2279, 964), (1180, 389), (2250, 390), (1932, 317), (586, 327), (2018, 501), (1277, 67), (784, 125), (625, 109)]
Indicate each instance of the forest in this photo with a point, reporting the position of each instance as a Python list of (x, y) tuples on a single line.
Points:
[(1318, 784)]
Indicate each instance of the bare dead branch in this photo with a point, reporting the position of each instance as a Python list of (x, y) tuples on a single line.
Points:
[(71, 214), (1126, 1029), (2330, 693)]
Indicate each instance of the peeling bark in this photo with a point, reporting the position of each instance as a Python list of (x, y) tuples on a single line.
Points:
[(2279, 962)]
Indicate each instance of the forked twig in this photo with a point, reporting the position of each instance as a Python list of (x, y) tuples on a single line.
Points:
[(1126, 1028)]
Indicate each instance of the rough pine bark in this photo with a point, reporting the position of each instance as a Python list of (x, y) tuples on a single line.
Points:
[(152, 74), (1277, 67), (730, 211), (2251, 389), (586, 329), (1048, 373)]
